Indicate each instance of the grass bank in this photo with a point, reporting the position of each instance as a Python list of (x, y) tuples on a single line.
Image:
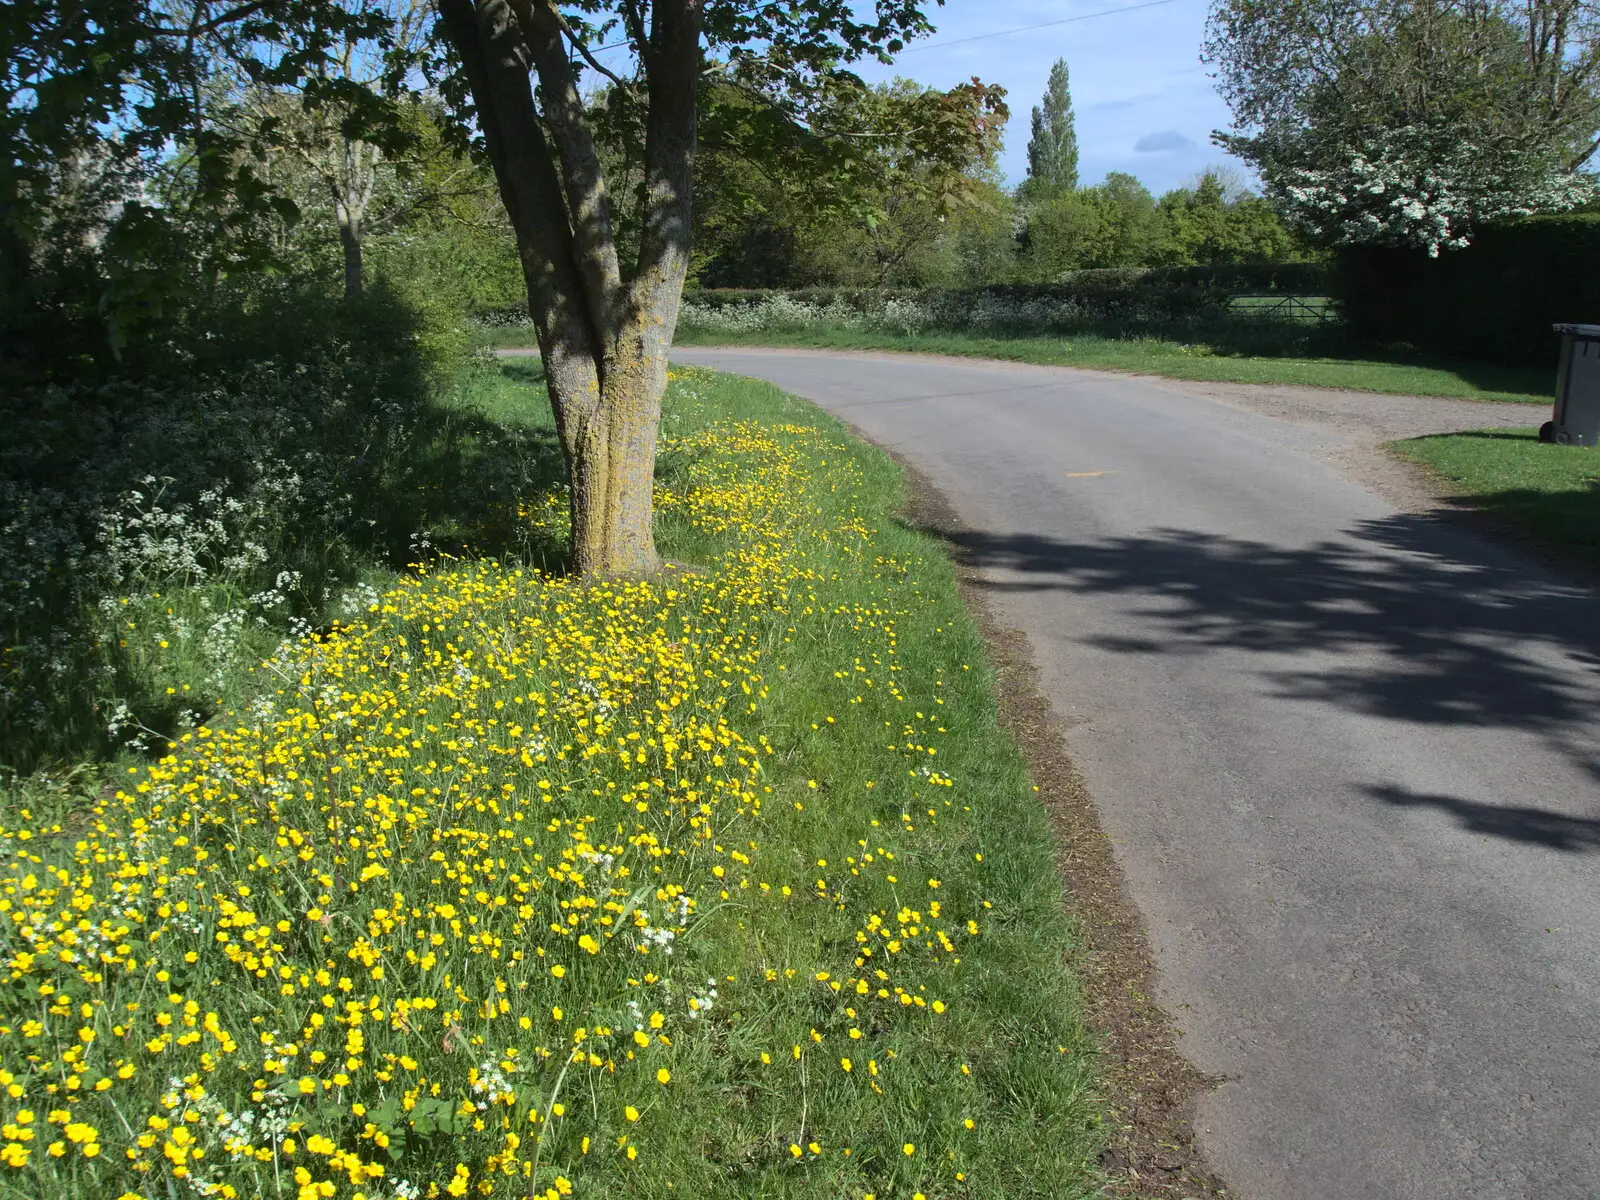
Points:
[(1174, 359), (1548, 494), (1238, 346), (724, 883)]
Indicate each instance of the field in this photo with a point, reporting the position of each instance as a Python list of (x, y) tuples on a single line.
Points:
[(723, 883), (1548, 495)]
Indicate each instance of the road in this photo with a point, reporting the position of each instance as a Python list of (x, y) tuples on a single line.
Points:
[(1348, 755)]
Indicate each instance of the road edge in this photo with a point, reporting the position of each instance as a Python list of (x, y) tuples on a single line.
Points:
[(1121, 372), (1150, 1088)]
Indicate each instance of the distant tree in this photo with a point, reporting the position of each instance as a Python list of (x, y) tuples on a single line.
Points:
[(1410, 122), (1113, 224), (871, 189), (1053, 140), (1132, 222), (911, 185), (1063, 233), (981, 247), (1215, 221), (348, 121)]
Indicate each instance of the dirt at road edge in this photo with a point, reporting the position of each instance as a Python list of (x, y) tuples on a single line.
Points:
[(1150, 1088)]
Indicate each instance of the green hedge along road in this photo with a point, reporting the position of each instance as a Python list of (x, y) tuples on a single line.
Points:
[(1349, 757)]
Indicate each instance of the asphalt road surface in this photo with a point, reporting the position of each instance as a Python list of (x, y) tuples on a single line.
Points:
[(1348, 754)]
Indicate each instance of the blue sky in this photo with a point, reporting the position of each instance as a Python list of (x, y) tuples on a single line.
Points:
[(1144, 101)]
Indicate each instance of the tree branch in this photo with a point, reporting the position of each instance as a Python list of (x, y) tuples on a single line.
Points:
[(197, 26), (485, 35), (672, 73), (581, 48), (633, 21), (588, 206)]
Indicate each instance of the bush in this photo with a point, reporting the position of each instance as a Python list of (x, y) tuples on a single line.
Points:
[(1013, 309), (172, 518), (1495, 299)]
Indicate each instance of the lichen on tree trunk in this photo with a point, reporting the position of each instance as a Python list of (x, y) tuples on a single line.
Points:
[(611, 463)]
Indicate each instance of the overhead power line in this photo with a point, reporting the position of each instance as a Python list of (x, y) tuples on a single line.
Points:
[(978, 37)]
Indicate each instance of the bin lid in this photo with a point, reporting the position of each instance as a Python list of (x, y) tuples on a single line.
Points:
[(1583, 331)]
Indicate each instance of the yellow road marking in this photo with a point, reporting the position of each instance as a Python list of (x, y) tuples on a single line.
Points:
[(1085, 474)]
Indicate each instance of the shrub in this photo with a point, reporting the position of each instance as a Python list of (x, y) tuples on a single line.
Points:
[(1138, 294), (168, 519)]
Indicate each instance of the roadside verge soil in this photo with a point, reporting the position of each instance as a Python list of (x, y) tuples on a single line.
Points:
[(1150, 1088)]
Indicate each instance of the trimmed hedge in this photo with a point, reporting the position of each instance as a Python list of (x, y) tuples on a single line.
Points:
[(1494, 300), (1109, 292)]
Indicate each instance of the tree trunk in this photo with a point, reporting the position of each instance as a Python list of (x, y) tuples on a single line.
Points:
[(350, 239), (352, 183), (611, 454), (604, 341)]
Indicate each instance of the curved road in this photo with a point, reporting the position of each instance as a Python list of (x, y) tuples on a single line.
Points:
[(1349, 757)]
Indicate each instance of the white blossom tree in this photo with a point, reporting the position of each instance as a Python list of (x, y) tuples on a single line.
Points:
[(1411, 122), (1411, 187)]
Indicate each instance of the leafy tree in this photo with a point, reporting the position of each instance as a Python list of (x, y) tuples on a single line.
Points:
[(1113, 224), (982, 245), (1215, 221), (604, 325), (870, 185), (1064, 233), (98, 217), (1131, 221), (351, 194), (1053, 144), (1410, 122), (114, 84), (349, 122), (914, 168)]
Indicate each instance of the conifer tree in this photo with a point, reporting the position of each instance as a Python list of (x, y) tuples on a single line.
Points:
[(1053, 146)]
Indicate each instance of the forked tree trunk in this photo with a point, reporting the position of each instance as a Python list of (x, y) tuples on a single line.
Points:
[(604, 341)]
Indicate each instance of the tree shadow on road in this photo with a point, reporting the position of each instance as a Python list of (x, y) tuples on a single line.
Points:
[(1421, 623), (1536, 826)]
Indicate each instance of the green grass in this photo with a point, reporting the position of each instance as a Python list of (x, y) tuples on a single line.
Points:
[(815, 657), (1550, 494), (1181, 360)]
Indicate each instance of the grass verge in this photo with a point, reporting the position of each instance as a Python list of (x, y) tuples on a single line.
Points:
[(1180, 360), (1548, 494), (724, 883)]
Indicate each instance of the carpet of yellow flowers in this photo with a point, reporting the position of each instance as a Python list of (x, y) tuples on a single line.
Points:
[(717, 883)]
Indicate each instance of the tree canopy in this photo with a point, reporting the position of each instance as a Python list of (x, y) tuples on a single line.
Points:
[(1410, 122)]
